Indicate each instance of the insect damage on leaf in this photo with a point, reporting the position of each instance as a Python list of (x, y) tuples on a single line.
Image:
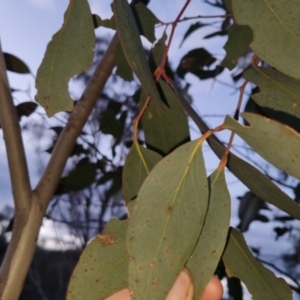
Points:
[(106, 239)]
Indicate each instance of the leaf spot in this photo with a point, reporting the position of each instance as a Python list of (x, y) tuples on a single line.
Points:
[(151, 265), (149, 115), (155, 281), (107, 239)]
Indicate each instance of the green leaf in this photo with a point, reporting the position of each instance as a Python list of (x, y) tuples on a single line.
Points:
[(212, 240), (279, 95), (164, 130), (277, 143), (144, 17), (70, 52), (109, 124), (133, 49), (228, 5), (80, 177), (239, 39), (261, 282), (257, 182), (15, 64), (158, 50), (166, 221), (123, 68), (102, 269), (191, 29), (145, 20), (276, 31), (107, 23), (139, 162)]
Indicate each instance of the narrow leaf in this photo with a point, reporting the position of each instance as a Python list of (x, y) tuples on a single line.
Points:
[(146, 21), (257, 182), (261, 282), (68, 53), (109, 124), (279, 95), (107, 23), (15, 64), (211, 243), (157, 52), (277, 143), (144, 18), (239, 39), (166, 221), (168, 129), (138, 165), (81, 177), (123, 68), (133, 49), (276, 31), (102, 269)]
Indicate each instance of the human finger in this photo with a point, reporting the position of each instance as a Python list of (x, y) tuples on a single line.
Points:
[(182, 288), (121, 295), (213, 290)]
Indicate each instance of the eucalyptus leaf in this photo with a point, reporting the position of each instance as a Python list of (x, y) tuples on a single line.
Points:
[(70, 52), (208, 251), (82, 176), (133, 49), (261, 282), (107, 23), (123, 68), (257, 182), (139, 162), (168, 129), (275, 29), (277, 143), (239, 39), (166, 221), (103, 266), (146, 21), (279, 95), (15, 64)]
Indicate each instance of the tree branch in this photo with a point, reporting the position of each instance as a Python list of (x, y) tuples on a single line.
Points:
[(14, 145), (67, 139), (28, 221)]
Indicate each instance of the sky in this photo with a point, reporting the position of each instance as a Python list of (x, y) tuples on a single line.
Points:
[(27, 26)]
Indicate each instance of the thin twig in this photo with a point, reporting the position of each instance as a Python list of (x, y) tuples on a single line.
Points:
[(174, 24), (196, 17)]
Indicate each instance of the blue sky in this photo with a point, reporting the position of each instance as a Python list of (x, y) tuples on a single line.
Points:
[(27, 26)]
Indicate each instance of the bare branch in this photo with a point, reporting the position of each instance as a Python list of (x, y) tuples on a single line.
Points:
[(14, 145)]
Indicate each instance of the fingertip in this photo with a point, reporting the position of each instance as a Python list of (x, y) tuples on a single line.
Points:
[(213, 290), (182, 287), (121, 295)]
